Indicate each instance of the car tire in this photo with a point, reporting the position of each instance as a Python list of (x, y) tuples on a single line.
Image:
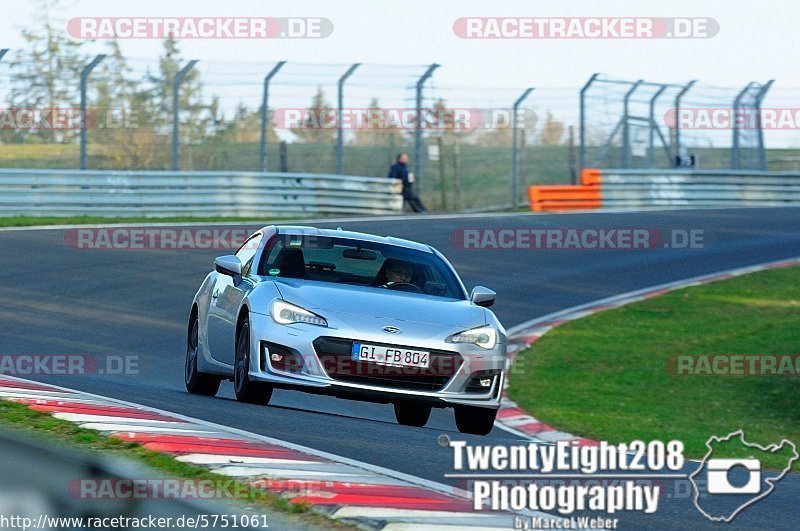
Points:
[(411, 414), (245, 389), (197, 383), (475, 420)]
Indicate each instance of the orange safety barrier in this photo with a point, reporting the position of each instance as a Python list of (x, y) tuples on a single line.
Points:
[(590, 176), (575, 197), (568, 197)]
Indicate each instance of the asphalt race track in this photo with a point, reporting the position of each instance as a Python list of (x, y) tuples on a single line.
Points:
[(62, 300)]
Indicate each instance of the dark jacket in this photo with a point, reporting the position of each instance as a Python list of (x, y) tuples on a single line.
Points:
[(400, 171)]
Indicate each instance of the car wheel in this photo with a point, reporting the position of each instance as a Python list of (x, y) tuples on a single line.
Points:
[(475, 420), (411, 414), (198, 383), (247, 390)]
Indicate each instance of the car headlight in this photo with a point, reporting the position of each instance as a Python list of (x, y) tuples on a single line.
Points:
[(484, 337), (283, 312)]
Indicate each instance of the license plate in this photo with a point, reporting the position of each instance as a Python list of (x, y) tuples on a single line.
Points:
[(394, 356)]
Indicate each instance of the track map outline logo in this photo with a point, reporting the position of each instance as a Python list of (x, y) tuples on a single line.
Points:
[(729, 489)]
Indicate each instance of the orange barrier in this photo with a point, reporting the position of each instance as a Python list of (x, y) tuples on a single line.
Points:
[(577, 197), (568, 197), (590, 176)]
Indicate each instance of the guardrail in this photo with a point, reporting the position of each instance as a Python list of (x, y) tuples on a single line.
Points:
[(161, 193), (689, 188), (631, 188)]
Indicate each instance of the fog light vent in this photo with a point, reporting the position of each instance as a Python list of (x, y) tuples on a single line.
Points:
[(481, 381), (281, 358)]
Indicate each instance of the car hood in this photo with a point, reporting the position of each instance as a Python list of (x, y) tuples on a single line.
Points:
[(372, 302)]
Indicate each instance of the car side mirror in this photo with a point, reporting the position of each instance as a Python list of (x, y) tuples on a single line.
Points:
[(228, 265), (482, 296)]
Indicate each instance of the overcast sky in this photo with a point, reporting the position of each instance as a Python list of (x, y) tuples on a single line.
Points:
[(755, 41)]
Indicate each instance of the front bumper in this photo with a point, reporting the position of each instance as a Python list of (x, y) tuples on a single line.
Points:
[(316, 359)]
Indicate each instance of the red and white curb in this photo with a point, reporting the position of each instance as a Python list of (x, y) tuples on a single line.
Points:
[(360, 493), (514, 419)]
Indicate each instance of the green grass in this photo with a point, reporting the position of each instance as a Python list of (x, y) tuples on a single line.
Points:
[(42, 425), (605, 376)]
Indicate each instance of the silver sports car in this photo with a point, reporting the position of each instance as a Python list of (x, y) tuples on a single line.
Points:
[(351, 315)]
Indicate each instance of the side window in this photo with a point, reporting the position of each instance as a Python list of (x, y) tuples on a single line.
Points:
[(269, 256), (246, 253)]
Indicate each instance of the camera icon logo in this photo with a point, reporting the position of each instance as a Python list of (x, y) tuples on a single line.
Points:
[(720, 481)]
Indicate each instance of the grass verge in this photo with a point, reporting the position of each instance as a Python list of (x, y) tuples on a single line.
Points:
[(606, 376), (44, 426)]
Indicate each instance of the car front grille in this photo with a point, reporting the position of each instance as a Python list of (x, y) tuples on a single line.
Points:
[(335, 355)]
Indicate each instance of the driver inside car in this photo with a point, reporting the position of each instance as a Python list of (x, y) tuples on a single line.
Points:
[(397, 272)]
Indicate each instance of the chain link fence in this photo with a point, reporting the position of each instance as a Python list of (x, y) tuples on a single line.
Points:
[(471, 147), (641, 124)]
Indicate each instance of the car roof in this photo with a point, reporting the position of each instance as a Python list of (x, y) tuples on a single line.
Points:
[(339, 233)]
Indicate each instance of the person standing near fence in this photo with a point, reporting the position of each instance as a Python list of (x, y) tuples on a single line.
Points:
[(399, 170)]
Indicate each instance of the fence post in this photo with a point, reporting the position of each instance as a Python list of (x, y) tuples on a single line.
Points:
[(573, 171), (442, 188), (339, 125), (652, 124), (626, 140), (84, 79), (686, 88), (762, 155), (582, 132), (262, 154), (457, 174), (514, 153), (735, 161), (284, 157), (418, 125), (176, 83)]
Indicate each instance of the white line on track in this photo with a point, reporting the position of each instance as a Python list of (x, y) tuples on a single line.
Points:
[(285, 473), (216, 459), (103, 419), (144, 428), (382, 512)]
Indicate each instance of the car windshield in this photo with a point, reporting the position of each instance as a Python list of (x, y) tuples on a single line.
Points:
[(358, 262)]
